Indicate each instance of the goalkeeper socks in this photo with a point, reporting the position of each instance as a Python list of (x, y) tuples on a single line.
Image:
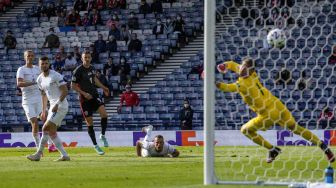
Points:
[(58, 143), (103, 125), (44, 141), (36, 138), (92, 135)]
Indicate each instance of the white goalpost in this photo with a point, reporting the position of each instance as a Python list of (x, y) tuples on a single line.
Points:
[(240, 161)]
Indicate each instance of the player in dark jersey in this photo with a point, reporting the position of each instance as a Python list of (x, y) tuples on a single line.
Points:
[(84, 82)]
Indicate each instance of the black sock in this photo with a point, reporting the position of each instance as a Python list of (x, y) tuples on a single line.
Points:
[(92, 135), (103, 125)]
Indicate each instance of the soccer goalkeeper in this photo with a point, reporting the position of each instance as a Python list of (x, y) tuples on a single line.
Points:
[(269, 109)]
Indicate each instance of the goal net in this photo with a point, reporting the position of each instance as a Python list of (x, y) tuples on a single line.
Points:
[(302, 75)]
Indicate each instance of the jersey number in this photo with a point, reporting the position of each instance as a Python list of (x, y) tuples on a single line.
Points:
[(260, 89)]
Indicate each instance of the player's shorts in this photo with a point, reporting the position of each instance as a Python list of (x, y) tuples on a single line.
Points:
[(90, 106), (57, 117), (32, 110)]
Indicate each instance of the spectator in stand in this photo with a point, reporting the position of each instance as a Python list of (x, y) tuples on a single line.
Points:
[(60, 7), (58, 64), (94, 55), (332, 57), (100, 44), (113, 20), (125, 67), (112, 4), (304, 82), (125, 34), (70, 62), (135, 44), (61, 20), (80, 5), (101, 77), (129, 97), (283, 77), (326, 119), (110, 69), (85, 20), (91, 5), (95, 18), (158, 28), (51, 40), (112, 45), (100, 4), (197, 69), (77, 55), (51, 10), (73, 19), (9, 41), (168, 26), (39, 10), (144, 8), (179, 25), (115, 32), (156, 7), (186, 116), (62, 52), (274, 16), (133, 22)]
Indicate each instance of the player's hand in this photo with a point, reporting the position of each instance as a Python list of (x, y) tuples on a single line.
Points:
[(88, 96), (217, 84), (221, 68), (55, 108), (106, 91), (203, 75), (44, 116)]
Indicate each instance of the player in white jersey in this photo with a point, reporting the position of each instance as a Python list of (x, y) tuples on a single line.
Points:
[(54, 89), (31, 97), (156, 148)]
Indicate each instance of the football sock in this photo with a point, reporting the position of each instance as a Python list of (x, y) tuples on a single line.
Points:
[(103, 125), (36, 138), (58, 143), (92, 135), (44, 140)]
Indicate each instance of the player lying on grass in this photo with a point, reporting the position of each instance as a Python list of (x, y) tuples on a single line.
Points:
[(156, 148), (54, 89), (269, 109)]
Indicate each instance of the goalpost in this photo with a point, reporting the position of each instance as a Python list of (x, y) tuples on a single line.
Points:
[(292, 167)]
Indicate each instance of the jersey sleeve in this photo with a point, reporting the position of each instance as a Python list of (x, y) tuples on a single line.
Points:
[(38, 82), (76, 76), (19, 73), (228, 87), (147, 145), (233, 66), (59, 79), (170, 149)]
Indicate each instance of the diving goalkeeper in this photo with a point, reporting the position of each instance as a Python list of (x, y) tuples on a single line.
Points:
[(269, 109)]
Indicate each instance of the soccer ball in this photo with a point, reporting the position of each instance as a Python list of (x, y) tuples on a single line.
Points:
[(276, 38)]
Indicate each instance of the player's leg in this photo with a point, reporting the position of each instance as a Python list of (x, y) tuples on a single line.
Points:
[(148, 130), (87, 111), (44, 140), (288, 121), (103, 114), (32, 114)]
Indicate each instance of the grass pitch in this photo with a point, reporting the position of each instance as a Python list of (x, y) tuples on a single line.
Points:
[(120, 168)]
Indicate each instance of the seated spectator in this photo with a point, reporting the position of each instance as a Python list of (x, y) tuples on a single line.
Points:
[(332, 57), (133, 22), (61, 19), (61, 50), (80, 5), (39, 10), (115, 32), (9, 41), (52, 40), (125, 67), (73, 19), (58, 64), (110, 69), (94, 54), (135, 44), (112, 45), (91, 5), (70, 62), (60, 8), (186, 116), (198, 69), (95, 18), (51, 10), (101, 77), (85, 20), (168, 26), (100, 44), (304, 82), (125, 34), (326, 119), (158, 28), (156, 7), (100, 4), (129, 97), (283, 77), (113, 20), (112, 4), (144, 8), (77, 55)]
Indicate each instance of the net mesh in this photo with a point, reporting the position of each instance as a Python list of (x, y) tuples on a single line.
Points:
[(301, 75)]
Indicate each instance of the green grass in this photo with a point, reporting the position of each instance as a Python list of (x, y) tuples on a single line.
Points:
[(120, 168)]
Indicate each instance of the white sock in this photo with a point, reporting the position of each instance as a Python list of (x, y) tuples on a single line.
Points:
[(44, 140), (58, 143), (36, 138), (50, 142)]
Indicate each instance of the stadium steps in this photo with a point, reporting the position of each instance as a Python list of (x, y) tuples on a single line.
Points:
[(19, 9), (162, 70)]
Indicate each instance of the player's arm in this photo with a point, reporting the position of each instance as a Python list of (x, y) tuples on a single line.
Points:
[(228, 65), (99, 84), (138, 148), (22, 83), (227, 87), (176, 153)]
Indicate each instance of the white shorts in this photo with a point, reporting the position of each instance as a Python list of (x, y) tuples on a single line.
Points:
[(32, 110), (57, 117)]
